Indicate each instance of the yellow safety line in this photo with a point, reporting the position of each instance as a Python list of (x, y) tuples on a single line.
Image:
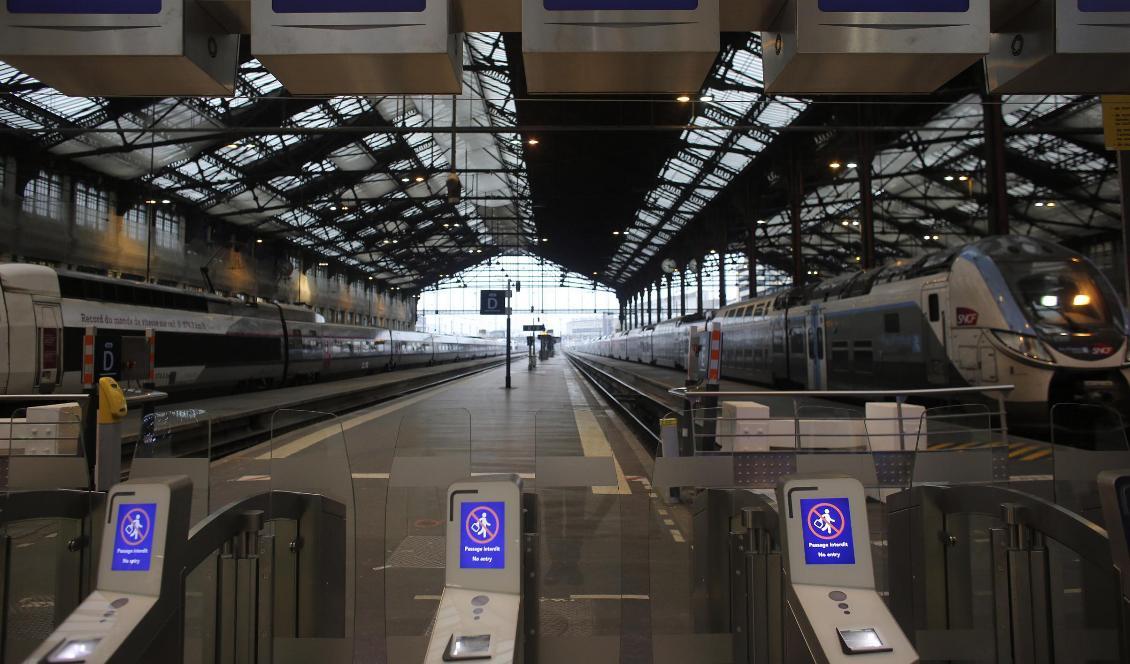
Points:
[(593, 441), (1023, 449)]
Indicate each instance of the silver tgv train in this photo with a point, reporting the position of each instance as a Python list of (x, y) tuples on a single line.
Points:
[(201, 341), (1005, 310)]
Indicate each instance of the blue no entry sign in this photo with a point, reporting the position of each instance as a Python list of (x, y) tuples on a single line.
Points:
[(482, 540), (84, 6), (827, 531), (133, 539), (346, 6), (1104, 5)]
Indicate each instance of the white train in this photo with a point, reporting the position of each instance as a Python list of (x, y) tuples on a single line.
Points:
[(1005, 310), (202, 341)]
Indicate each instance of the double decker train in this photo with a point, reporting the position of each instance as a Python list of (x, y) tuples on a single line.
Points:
[(1004, 310), (201, 340)]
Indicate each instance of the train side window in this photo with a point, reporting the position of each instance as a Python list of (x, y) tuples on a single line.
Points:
[(935, 308), (891, 323)]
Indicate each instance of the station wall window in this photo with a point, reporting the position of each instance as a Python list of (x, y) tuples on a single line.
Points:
[(92, 207), (137, 224), (43, 196), (169, 229)]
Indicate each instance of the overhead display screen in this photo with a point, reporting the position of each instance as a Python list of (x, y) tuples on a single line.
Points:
[(1104, 5), (133, 538), (346, 6), (482, 537), (827, 531), (905, 6), (84, 6), (619, 5)]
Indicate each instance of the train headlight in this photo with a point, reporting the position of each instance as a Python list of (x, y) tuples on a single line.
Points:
[(1022, 344)]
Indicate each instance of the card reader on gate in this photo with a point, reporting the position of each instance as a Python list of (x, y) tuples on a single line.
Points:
[(137, 596), (831, 581)]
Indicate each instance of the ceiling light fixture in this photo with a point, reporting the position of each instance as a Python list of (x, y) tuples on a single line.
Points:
[(405, 179), (963, 178), (165, 201), (1051, 203), (761, 221), (706, 99), (834, 165), (150, 202), (1039, 204), (852, 164), (233, 146), (419, 178), (949, 178), (533, 141), (259, 241), (682, 99), (323, 264)]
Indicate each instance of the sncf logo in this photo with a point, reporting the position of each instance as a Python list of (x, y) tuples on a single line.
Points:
[(967, 317), (1102, 350)]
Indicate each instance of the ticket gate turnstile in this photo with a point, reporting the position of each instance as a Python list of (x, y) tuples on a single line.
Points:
[(831, 579), (789, 588), (133, 613), (480, 609)]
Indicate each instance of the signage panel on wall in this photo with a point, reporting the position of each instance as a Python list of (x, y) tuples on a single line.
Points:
[(346, 6), (1104, 5), (620, 5), (908, 6), (84, 6)]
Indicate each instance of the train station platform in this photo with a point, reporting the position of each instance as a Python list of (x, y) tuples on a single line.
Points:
[(333, 541), (596, 566)]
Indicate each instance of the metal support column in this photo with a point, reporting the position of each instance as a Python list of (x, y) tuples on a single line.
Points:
[(996, 180), (698, 282), (1124, 185), (722, 277), (649, 310), (623, 311), (659, 300), (866, 202), (683, 292), (751, 261), (796, 199), (670, 308)]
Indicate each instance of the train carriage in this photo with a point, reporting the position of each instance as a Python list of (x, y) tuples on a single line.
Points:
[(1004, 310)]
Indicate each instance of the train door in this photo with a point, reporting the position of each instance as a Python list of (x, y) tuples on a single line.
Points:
[(817, 371), (935, 333), (48, 345)]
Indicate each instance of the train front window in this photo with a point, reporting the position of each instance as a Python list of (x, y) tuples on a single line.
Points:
[(1070, 304)]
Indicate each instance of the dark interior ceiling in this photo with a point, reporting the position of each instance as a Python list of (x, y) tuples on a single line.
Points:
[(674, 179), (590, 174)]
